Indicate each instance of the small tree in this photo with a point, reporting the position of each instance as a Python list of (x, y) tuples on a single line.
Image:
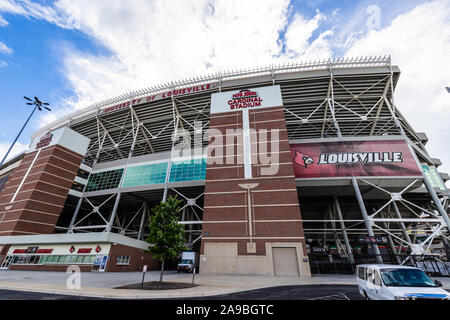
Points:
[(166, 234)]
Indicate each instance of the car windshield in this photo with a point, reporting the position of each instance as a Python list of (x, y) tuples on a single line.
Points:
[(185, 261), (406, 278)]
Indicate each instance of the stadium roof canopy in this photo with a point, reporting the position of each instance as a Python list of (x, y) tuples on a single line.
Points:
[(354, 93)]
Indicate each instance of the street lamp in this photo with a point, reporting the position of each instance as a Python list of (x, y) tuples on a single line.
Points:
[(37, 104)]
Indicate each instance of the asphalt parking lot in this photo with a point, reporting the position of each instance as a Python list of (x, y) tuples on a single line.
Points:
[(303, 292)]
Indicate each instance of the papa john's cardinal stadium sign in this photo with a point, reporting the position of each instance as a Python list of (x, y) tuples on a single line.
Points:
[(246, 99), (353, 158)]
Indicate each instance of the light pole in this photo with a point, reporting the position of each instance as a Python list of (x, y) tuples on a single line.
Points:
[(37, 104)]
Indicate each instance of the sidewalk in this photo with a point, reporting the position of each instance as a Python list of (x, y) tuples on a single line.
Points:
[(209, 285)]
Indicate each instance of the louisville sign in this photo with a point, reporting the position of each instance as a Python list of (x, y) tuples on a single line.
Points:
[(159, 96), (353, 158)]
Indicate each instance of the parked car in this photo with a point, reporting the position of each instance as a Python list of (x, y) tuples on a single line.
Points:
[(392, 282)]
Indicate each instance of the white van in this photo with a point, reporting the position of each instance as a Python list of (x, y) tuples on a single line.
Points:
[(392, 282)]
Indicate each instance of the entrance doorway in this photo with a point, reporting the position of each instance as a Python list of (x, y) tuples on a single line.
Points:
[(100, 263)]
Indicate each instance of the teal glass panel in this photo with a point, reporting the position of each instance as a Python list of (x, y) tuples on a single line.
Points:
[(188, 170), (104, 180), (143, 175)]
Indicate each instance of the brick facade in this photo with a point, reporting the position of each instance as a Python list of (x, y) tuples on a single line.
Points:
[(35, 209), (275, 210)]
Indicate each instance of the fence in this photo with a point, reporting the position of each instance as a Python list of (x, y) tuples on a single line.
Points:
[(340, 264)]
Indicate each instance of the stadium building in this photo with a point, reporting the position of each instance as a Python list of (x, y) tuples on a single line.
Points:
[(283, 170)]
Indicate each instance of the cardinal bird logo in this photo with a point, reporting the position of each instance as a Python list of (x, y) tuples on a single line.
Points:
[(303, 159)]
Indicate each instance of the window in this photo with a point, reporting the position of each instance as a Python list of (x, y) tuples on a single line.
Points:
[(361, 273), (77, 186), (406, 278), (147, 174), (188, 170), (83, 174), (104, 180), (123, 260)]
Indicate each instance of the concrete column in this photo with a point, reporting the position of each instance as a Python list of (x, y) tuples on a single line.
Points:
[(366, 217)]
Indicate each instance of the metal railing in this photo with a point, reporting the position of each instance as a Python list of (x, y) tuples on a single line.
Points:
[(340, 264)]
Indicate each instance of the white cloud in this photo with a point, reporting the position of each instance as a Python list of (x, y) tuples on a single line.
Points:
[(3, 22), (5, 49), (18, 148), (161, 41), (298, 38), (419, 43), (35, 10)]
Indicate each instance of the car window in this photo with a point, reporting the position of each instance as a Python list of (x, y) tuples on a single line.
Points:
[(362, 273), (406, 278)]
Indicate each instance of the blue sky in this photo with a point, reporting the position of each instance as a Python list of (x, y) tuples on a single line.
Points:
[(73, 53)]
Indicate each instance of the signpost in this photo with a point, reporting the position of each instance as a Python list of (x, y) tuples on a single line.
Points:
[(144, 270)]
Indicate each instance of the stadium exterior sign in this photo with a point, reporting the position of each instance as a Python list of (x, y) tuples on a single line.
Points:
[(353, 158), (263, 97), (159, 96), (44, 141)]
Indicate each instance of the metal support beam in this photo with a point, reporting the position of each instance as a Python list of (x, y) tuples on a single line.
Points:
[(344, 231), (366, 217), (80, 201), (401, 223), (122, 179), (436, 201), (144, 216), (391, 243)]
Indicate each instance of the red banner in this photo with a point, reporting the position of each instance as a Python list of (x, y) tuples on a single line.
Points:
[(353, 158)]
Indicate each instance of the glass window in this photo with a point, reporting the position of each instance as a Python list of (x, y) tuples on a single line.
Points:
[(123, 260), (361, 273), (43, 259), (146, 174), (104, 180), (188, 170), (406, 278)]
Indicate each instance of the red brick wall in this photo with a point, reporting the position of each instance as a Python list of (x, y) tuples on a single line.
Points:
[(276, 209), (42, 196), (138, 258)]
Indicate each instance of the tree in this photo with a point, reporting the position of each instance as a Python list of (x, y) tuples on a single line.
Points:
[(166, 235)]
